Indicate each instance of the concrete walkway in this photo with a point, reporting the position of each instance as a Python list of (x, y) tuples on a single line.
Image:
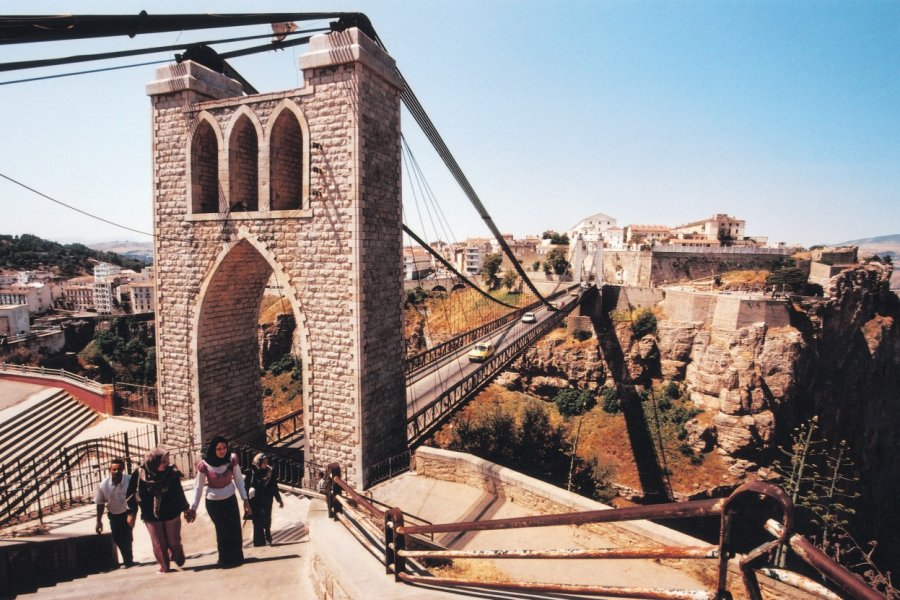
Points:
[(270, 572)]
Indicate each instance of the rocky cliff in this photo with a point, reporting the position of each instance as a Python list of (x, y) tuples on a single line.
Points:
[(839, 358)]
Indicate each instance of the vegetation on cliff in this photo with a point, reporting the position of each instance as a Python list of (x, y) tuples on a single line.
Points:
[(28, 252)]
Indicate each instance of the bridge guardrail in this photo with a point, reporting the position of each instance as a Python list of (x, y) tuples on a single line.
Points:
[(429, 417), (418, 362)]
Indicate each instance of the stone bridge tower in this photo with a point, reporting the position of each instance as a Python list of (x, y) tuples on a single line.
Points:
[(303, 184)]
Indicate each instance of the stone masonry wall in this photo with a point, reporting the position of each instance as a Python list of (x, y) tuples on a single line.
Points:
[(338, 257)]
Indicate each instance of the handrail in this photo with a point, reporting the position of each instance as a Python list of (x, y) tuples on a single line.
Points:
[(749, 500), (29, 371)]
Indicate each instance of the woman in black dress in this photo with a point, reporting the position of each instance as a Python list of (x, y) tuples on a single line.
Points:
[(263, 489)]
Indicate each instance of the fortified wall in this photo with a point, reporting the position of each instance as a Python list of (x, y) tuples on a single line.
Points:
[(304, 184), (720, 310), (644, 269)]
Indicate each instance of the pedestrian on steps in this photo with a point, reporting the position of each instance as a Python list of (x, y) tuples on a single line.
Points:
[(220, 474), (155, 487), (263, 490), (111, 495)]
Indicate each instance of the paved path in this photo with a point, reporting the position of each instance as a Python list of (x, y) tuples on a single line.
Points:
[(270, 572)]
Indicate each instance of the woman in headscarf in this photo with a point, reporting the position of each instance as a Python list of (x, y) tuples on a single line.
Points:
[(220, 473), (262, 488), (155, 487)]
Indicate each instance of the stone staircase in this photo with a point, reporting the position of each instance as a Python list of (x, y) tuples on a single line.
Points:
[(32, 435)]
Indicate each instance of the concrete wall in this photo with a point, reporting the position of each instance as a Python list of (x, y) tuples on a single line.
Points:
[(724, 311), (338, 254), (546, 499), (820, 272), (626, 297), (627, 267)]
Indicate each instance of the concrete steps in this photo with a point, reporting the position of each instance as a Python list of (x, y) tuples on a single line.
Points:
[(44, 428), (31, 443)]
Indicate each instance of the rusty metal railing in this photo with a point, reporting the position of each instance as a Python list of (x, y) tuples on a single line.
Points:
[(749, 500)]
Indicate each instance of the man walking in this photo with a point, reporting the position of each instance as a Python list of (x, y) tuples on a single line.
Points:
[(111, 493)]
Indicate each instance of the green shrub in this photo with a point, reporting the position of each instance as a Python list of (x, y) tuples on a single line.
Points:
[(671, 390), (697, 459), (643, 322), (572, 402), (609, 400), (284, 364), (582, 335)]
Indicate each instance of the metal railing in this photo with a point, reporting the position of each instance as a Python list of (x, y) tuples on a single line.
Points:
[(392, 542), (388, 468), (61, 374), (288, 427), (416, 363), (134, 400), (429, 417), (33, 487)]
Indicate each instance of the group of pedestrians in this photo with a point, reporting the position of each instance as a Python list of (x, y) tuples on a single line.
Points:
[(155, 489)]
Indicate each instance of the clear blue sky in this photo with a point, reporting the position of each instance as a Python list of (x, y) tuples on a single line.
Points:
[(785, 114)]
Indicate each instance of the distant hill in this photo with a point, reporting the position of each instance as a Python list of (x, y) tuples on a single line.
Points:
[(883, 245), (142, 251), (28, 252), (893, 239)]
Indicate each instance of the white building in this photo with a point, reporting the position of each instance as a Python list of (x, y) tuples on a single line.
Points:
[(718, 227), (593, 230), (142, 297), (417, 263), (104, 270), (103, 297), (14, 320), (36, 296), (469, 260)]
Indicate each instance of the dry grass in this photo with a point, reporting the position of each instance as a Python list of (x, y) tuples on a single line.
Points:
[(605, 437), (448, 315), (286, 395), (271, 307), (478, 570)]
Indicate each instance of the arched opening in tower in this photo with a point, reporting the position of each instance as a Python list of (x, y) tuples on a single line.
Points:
[(286, 163), (234, 356), (243, 167), (204, 170)]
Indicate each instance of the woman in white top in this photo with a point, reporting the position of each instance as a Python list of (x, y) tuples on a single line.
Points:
[(220, 473)]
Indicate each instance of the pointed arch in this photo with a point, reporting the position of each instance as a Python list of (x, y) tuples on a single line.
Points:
[(225, 343), (244, 134), (288, 158), (203, 165)]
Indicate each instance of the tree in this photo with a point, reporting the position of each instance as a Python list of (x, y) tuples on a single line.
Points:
[(510, 278), (556, 262), (787, 278), (490, 268)]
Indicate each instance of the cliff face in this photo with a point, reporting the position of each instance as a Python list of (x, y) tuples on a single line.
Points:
[(839, 358)]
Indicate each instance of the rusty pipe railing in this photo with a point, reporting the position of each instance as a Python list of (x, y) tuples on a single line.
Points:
[(747, 499), (823, 563)]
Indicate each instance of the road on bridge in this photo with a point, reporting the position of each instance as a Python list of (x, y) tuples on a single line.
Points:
[(428, 385)]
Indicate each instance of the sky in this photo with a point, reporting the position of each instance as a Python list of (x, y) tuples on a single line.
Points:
[(783, 113)]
